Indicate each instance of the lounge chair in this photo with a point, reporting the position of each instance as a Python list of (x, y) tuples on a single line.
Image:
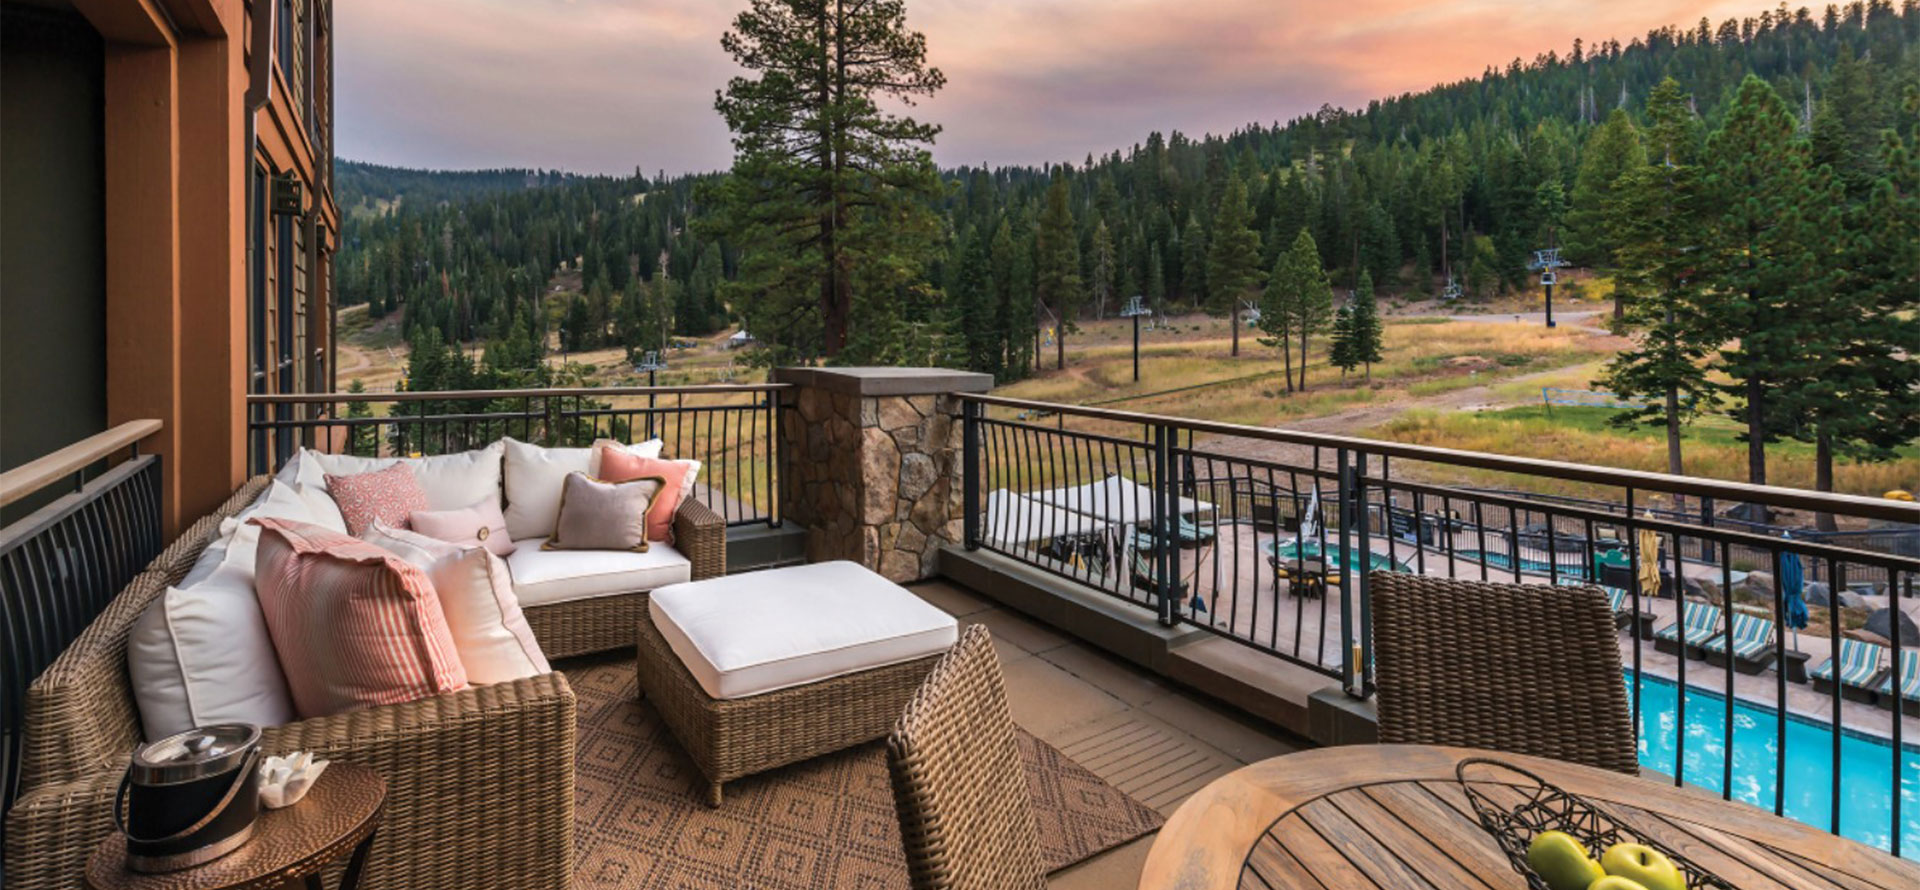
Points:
[(1194, 533), (1699, 622), (1906, 681), (1860, 671), (1752, 645), (1145, 578)]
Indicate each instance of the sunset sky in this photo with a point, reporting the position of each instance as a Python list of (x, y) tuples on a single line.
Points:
[(608, 85)]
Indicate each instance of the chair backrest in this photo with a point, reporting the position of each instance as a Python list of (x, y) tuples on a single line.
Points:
[(1702, 616), (1857, 654), (959, 784), (1530, 669), (1751, 627)]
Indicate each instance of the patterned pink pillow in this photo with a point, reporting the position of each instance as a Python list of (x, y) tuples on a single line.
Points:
[(390, 496), (354, 626)]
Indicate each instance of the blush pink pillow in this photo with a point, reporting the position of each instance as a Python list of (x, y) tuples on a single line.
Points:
[(621, 465), (480, 524), (353, 625), (390, 496)]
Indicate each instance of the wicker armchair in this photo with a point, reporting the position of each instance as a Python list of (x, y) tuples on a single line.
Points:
[(958, 784), (606, 623), (1520, 668), (480, 782)]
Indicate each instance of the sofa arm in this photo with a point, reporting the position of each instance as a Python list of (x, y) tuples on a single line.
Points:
[(480, 790), (480, 783), (701, 536)]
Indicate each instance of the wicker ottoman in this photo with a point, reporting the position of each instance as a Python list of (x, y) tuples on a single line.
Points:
[(792, 663)]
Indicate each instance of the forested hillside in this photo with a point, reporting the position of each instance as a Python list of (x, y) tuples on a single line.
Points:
[(1461, 181)]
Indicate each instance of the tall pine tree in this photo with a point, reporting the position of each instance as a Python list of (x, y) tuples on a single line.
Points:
[(1233, 259)]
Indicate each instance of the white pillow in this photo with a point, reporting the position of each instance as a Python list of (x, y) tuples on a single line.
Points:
[(451, 481), (201, 655), (476, 593), (533, 477)]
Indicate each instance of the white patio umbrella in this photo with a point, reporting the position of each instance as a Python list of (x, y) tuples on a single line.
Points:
[(1021, 519)]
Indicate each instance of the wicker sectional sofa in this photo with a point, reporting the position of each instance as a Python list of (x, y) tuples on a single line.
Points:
[(480, 782)]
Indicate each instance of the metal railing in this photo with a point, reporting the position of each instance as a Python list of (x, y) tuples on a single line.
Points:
[(732, 429), (63, 563), (1266, 537)]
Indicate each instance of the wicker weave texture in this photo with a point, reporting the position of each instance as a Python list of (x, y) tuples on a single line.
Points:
[(480, 781), (965, 816), (606, 623), (1521, 668), (731, 738)]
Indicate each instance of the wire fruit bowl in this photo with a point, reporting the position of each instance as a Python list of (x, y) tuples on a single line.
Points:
[(1542, 807)]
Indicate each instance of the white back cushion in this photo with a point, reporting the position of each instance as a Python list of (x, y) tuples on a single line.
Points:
[(451, 481), (492, 636), (201, 654), (533, 477)]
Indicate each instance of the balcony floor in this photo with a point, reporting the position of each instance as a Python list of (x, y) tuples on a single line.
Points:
[(1151, 738)]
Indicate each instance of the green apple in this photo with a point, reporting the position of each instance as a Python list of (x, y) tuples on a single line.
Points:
[(1643, 864), (1562, 861), (1615, 882)]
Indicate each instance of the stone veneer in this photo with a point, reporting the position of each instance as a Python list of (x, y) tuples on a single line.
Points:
[(871, 463)]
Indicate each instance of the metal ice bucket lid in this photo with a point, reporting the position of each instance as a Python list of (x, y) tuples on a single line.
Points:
[(195, 754)]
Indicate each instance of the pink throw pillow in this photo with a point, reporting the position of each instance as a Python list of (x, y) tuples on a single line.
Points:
[(481, 524), (353, 625), (390, 496), (621, 465)]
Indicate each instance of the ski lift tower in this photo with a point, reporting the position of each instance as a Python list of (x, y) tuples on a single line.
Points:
[(651, 363), (1452, 291), (1135, 309), (1546, 261)]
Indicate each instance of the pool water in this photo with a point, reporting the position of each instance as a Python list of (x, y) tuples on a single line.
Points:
[(1288, 551), (1866, 763), (1536, 566)]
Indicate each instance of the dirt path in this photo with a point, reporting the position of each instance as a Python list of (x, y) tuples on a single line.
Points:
[(1481, 397)]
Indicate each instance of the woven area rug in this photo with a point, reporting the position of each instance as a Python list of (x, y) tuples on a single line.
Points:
[(642, 822)]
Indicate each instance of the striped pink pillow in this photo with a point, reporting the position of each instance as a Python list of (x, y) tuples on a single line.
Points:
[(354, 626)]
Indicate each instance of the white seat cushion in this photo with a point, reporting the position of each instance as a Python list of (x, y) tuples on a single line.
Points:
[(743, 635), (541, 577)]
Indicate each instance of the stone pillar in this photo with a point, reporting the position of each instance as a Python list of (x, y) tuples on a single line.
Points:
[(870, 463)]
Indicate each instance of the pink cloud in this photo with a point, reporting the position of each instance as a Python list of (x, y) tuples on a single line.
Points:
[(605, 85)]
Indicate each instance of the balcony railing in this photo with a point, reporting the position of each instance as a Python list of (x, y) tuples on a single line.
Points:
[(730, 428), (62, 564), (1266, 537)]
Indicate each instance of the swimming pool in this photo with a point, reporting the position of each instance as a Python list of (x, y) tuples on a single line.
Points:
[(1536, 566), (1288, 551), (1866, 763)]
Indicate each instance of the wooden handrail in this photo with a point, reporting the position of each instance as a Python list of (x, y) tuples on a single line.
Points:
[(41, 472)]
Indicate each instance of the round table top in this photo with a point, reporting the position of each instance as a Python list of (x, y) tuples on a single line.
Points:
[(1362, 816), (338, 812)]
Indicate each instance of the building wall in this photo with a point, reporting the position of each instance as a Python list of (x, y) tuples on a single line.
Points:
[(176, 177), (53, 388)]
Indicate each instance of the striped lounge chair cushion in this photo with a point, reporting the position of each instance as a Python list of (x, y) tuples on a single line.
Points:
[(1752, 635), (1858, 663), (1701, 623), (1908, 677)]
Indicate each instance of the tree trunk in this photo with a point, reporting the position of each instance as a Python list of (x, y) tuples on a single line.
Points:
[(1756, 432), (1060, 344), (1673, 432), (1286, 356), (1303, 356), (1234, 314), (1823, 477)]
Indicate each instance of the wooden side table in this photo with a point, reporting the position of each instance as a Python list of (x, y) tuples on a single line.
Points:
[(337, 818)]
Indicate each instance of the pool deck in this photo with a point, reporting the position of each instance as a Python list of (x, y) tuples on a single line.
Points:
[(1244, 599)]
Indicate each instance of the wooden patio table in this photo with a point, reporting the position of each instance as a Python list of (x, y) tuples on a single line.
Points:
[(1394, 816)]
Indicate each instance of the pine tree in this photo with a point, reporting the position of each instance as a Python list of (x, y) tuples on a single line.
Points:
[(975, 332), (1103, 268), (1156, 281), (1612, 150), (1342, 351), (1277, 312), (1057, 265), (1193, 262), (1661, 226), (1765, 299), (829, 196), (363, 437), (1232, 261), (1367, 333), (1299, 292)]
